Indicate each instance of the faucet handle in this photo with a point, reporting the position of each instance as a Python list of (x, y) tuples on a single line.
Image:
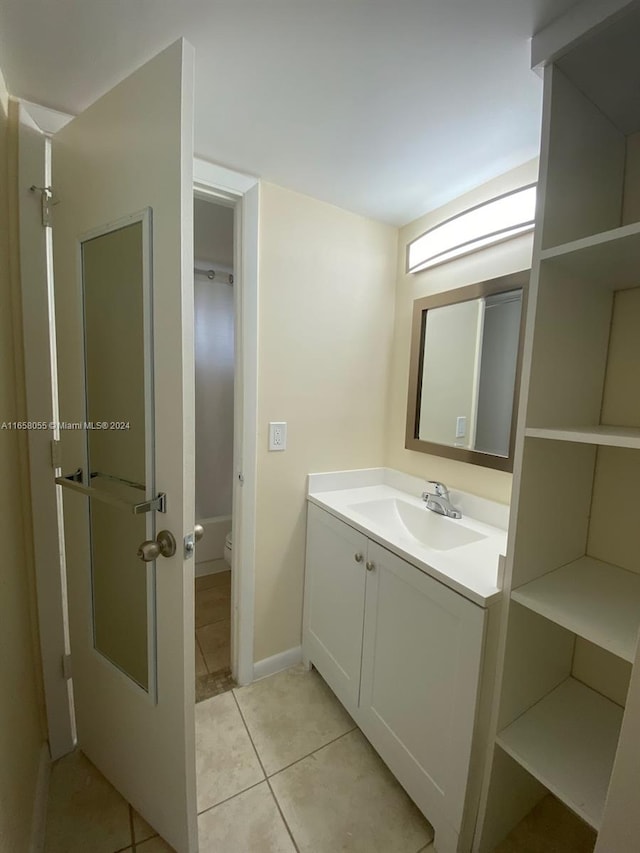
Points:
[(440, 489)]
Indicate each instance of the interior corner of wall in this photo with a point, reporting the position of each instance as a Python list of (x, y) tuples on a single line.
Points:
[(4, 94)]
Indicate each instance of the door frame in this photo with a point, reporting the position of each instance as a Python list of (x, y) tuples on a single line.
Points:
[(212, 182), (217, 183), (38, 331)]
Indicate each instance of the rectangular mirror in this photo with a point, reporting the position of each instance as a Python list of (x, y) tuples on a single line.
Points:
[(116, 291), (466, 348)]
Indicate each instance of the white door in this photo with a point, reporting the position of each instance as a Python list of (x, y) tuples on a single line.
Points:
[(123, 269)]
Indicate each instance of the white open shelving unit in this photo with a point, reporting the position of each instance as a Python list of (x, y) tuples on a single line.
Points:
[(573, 569), (602, 435), (611, 257), (568, 742), (595, 600)]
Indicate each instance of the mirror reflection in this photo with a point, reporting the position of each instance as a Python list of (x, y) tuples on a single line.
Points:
[(464, 377), (119, 458)]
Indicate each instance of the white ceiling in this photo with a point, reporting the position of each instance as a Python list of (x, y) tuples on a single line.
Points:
[(389, 108)]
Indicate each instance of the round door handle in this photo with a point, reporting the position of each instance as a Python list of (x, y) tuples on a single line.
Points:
[(164, 545), (198, 532), (370, 566), (358, 558)]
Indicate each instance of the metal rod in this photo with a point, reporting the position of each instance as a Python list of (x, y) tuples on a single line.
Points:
[(158, 503), (131, 483), (211, 274)]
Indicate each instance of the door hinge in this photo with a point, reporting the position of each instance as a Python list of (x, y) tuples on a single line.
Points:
[(46, 204), (56, 454), (66, 667)]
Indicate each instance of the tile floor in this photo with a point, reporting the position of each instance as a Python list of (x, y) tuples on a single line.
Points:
[(281, 768), (85, 814), (213, 634)]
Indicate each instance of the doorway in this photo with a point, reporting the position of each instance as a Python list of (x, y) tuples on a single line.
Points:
[(214, 349)]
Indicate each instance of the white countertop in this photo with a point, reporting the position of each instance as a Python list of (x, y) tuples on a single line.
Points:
[(471, 569)]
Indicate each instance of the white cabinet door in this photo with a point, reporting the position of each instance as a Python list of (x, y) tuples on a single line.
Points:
[(420, 672), (334, 603)]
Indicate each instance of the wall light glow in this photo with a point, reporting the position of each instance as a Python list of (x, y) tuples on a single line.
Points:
[(496, 220)]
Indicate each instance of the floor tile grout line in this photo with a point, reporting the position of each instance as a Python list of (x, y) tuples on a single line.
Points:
[(309, 754), (284, 820), (275, 799), (224, 588), (244, 722), (218, 593), (140, 841), (214, 622), (232, 797), (201, 652), (136, 842), (131, 830)]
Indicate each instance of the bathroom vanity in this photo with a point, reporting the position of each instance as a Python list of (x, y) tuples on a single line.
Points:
[(398, 603)]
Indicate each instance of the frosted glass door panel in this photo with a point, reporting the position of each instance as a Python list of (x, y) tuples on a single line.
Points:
[(119, 443), (114, 347)]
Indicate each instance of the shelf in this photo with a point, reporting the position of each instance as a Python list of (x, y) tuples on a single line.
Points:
[(595, 600), (612, 257), (568, 742), (606, 436)]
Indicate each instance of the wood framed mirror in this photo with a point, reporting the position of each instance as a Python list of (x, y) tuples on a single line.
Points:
[(464, 375)]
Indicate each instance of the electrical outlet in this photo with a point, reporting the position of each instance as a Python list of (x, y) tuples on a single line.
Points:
[(277, 435), (461, 426)]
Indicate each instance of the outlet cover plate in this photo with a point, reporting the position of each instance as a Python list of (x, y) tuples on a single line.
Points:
[(277, 435)]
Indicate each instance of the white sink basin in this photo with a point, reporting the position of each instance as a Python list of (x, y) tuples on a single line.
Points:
[(401, 518), (464, 554)]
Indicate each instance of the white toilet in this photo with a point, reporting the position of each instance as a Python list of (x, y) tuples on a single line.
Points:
[(227, 548)]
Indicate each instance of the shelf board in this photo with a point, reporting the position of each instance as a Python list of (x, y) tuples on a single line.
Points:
[(609, 436), (611, 257), (568, 742), (595, 600)]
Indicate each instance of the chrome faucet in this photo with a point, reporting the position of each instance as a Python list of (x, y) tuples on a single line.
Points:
[(439, 500)]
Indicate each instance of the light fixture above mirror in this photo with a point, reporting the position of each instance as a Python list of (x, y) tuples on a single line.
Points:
[(500, 219)]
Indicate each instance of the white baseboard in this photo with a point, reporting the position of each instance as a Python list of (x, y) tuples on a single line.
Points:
[(39, 818), (276, 663), (211, 546), (210, 567)]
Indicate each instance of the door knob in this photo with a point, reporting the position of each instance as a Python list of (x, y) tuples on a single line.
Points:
[(370, 566), (358, 557), (164, 545), (198, 532)]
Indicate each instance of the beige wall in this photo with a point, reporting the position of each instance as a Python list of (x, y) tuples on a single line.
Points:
[(454, 385), (326, 284), (21, 731), (488, 263)]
